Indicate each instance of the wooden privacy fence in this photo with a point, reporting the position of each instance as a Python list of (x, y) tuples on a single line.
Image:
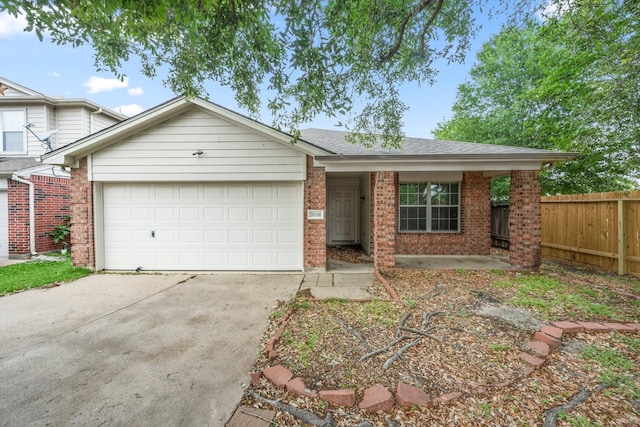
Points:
[(600, 229), (500, 226)]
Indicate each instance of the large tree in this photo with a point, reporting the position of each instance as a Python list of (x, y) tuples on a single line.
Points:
[(313, 56), (342, 58), (569, 82)]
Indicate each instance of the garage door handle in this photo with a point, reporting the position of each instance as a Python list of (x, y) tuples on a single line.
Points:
[(153, 234)]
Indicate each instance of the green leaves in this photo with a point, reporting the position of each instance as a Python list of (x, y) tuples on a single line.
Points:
[(565, 84), (316, 56)]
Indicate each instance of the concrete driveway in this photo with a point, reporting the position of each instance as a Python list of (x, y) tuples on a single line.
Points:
[(142, 350)]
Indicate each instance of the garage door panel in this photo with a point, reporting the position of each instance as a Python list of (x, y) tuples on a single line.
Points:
[(214, 226), (263, 236), (238, 237), (262, 214), (214, 213), (288, 236), (141, 214), (238, 260)]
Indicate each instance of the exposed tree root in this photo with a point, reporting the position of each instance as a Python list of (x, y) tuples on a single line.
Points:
[(356, 334), (385, 348), (399, 353), (551, 415), (304, 416)]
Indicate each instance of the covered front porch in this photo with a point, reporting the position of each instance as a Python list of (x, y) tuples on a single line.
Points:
[(363, 208)]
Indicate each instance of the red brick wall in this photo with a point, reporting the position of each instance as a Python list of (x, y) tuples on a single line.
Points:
[(474, 237), (18, 202), (51, 199), (82, 233), (384, 190), (525, 220), (315, 231)]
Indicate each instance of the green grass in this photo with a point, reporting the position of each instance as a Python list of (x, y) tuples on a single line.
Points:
[(577, 420), (618, 369), (546, 295), (500, 347), (35, 274)]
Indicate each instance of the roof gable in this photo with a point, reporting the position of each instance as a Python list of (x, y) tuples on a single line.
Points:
[(69, 154), (13, 90)]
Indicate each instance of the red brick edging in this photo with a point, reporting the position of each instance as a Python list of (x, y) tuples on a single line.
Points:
[(387, 286), (379, 398)]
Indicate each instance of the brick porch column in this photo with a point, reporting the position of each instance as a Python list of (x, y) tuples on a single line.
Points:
[(315, 230), (383, 224), (82, 233), (476, 213), (525, 220)]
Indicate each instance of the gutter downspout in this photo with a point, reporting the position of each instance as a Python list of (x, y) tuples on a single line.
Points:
[(98, 111), (32, 214)]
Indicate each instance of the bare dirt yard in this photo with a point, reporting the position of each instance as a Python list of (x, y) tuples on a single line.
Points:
[(463, 331)]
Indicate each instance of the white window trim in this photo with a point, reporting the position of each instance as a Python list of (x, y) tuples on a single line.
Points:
[(429, 207), (24, 133)]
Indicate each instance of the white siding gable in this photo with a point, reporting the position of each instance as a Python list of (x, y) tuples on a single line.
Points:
[(71, 123), (166, 153)]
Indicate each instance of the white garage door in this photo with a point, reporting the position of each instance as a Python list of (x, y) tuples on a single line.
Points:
[(4, 225), (212, 226)]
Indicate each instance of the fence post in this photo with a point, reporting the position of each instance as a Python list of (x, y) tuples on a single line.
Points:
[(622, 241)]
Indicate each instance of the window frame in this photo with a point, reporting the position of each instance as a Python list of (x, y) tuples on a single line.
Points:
[(21, 128), (429, 206)]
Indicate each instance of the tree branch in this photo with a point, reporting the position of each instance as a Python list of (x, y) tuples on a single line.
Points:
[(403, 27), (301, 414)]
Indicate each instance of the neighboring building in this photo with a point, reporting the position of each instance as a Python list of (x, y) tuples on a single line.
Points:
[(34, 198), (189, 185)]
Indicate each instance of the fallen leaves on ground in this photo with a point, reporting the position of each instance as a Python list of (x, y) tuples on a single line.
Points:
[(467, 353)]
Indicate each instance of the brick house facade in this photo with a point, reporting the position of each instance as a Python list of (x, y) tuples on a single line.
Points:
[(51, 207), (325, 191), (34, 198)]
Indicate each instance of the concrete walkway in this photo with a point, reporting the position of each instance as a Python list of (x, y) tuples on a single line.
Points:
[(342, 280)]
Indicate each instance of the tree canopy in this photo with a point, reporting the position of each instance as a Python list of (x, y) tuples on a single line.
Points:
[(313, 56), (570, 82)]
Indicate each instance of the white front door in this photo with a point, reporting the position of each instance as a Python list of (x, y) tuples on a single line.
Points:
[(342, 226), (4, 225), (203, 226)]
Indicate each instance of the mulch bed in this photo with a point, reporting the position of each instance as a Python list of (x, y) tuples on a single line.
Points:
[(467, 353), (350, 254)]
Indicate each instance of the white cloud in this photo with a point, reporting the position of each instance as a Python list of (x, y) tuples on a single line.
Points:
[(55, 74), (129, 109), (11, 26), (135, 91), (554, 9), (100, 84)]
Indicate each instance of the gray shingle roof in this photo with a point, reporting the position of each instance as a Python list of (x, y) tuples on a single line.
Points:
[(9, 165), (334, 141)]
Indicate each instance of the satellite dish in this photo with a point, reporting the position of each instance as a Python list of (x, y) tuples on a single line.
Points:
[(44, 138)]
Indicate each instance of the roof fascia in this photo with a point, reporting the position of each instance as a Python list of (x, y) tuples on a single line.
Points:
[(542, 157), (452, 164)]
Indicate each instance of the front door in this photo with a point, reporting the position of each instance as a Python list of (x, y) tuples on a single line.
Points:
[(342, 216)]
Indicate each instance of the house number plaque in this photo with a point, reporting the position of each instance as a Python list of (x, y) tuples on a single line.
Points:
[(315, 214)]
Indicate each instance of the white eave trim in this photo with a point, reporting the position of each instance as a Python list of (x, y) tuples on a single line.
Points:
[(430, 165), (440, 162)]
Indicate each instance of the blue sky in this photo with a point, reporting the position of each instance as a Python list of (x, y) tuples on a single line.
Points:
[(69, 72)]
